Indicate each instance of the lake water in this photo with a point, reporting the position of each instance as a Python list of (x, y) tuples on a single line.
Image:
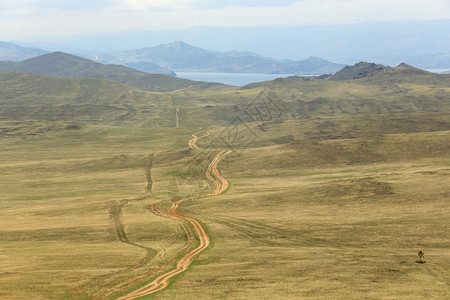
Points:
[(239, 79), (230, 78)]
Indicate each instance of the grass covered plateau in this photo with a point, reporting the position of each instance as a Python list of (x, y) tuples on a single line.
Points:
[(334, 187)]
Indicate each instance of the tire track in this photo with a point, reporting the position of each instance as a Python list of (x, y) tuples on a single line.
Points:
[(162, 281), (192, 142), (177, 119), (115, 214), (220, 185)]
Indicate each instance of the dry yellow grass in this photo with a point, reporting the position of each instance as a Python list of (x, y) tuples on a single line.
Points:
[(313, 218)]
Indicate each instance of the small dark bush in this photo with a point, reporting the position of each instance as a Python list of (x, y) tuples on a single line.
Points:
[(421, 257), (73, 127)]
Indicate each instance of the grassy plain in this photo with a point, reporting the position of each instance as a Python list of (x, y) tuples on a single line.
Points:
[(335, 219), (58, 192), (321, 205), (310, 218)]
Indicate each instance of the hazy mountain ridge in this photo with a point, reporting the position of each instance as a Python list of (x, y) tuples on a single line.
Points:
[(424, 44), (163, 59), (10, 52), (13, 52), (149, 67), (60, 64), (186, 58)]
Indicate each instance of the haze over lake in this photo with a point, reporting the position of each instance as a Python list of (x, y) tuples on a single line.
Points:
[(230, 78)]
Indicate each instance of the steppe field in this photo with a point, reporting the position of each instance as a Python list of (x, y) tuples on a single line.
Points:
[(300, 189)]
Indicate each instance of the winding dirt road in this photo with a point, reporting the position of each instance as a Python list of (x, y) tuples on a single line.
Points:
[(192, 142), (220, 183), (162, 281)]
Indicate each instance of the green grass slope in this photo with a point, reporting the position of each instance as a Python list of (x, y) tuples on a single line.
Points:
[(397, 90), (94, 101)]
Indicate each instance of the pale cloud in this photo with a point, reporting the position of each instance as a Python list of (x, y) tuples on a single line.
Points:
[(354, 11), (300, 12), (40, 18), (202, 4), (61, 5), (156, 4)]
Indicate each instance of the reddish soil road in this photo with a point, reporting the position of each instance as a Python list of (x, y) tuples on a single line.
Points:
[(220, 183), (161, 282), (192, 142)]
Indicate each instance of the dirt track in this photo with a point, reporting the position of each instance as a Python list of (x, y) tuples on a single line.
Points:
[(192, 142), (162, 281), (220, 185)]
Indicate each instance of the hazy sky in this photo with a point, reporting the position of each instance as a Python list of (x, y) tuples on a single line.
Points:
[(40, 19)]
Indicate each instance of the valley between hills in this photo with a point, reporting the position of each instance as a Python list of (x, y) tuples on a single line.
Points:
[(119, 184)]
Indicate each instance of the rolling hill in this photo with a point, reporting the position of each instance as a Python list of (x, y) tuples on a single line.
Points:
[(359, 70), (186, 58), (364, 69), (60, 64), (361, 89)]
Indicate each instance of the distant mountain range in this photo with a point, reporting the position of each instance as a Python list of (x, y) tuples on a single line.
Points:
[(179, 56), (185, 58), (424, 44), (13, 52), (60, 64)]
